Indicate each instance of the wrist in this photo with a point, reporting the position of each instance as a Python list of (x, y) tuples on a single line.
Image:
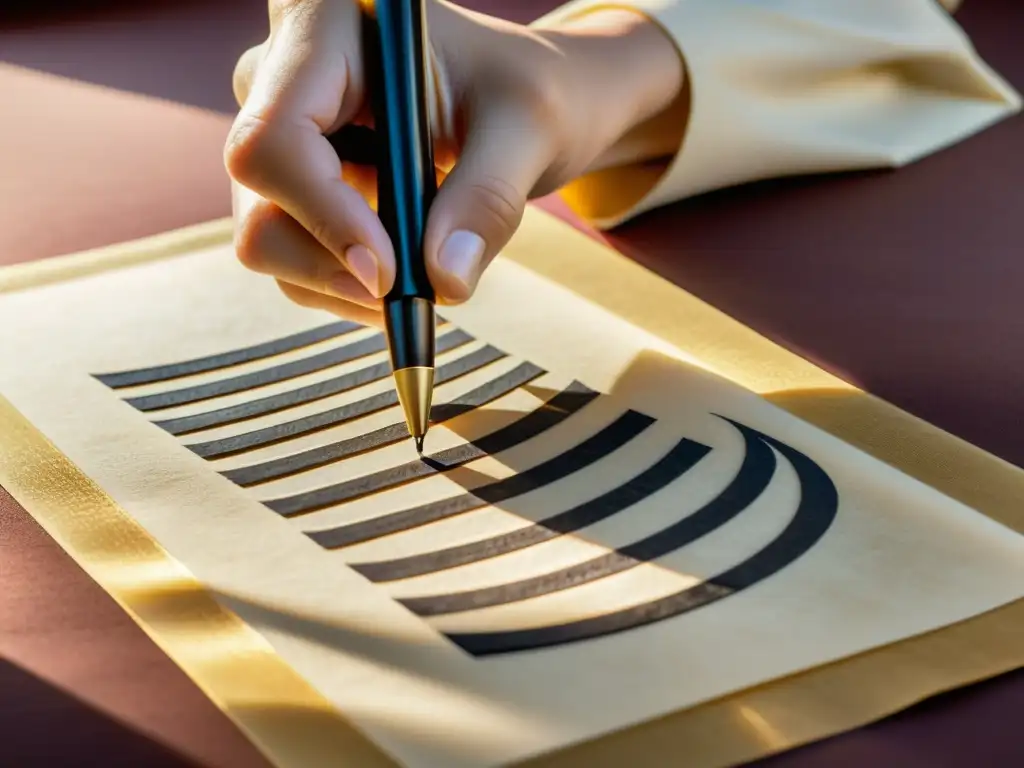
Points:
[(623, 69)]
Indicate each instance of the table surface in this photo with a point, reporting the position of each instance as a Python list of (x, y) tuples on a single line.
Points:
[(907, 284)]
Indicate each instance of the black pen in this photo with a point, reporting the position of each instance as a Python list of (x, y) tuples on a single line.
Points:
[(395, 53)]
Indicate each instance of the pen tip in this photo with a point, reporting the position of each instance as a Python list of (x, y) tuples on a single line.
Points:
[(419, 444)]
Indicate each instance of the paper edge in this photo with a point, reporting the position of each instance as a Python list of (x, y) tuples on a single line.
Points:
[(741, 732)]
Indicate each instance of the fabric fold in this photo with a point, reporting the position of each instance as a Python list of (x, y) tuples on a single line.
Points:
[(790, 87)]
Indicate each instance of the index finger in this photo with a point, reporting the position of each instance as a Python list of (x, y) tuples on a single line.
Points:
[(306, 86)]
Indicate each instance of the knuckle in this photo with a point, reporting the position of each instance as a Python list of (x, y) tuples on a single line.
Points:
[(246, 149), (335, 226), (319, 229), (322, 232), (499, 202), (253, 234)]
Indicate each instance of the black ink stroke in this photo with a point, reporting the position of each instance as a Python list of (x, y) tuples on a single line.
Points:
[(199, 392), (819, 503), (750, 482), (225, 359), (319, 362), (815, 513), (334, 417), (555, 411), (274, 469), (672, 466), (318, 391), (595, 448)]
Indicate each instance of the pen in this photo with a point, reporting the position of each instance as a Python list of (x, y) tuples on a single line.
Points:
[(395, 52)]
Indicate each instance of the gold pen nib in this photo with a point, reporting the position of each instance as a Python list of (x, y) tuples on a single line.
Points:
[(415, 389)]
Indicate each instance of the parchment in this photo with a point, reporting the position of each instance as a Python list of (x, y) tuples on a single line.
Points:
[(898, 559)]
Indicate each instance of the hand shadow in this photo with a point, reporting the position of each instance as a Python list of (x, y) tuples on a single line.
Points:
[(598, 424), (580, 432)]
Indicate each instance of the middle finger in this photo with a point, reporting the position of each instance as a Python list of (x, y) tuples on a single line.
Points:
[(269, 241)]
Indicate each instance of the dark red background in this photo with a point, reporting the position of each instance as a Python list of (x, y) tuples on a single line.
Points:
[(905, 283)]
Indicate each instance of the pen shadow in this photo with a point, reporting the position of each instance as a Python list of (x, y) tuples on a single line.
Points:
[(652, 379), (542, 480)]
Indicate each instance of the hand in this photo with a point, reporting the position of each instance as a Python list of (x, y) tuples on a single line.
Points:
[(518, 112)]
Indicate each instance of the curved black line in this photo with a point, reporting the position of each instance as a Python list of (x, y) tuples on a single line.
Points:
[(393, 433), (819, 503), (673, 465), (152, 375), (556, 410), (605, 442), (750, 482), (322, 389), (333, 417), (199, 392)]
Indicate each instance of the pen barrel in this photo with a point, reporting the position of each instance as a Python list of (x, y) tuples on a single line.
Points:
[(395, 51), (410, 324), (396, 55)]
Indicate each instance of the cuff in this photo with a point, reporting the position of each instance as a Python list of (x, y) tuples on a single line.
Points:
[(785, 88)]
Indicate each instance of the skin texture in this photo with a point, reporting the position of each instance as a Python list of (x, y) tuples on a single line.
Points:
[(518, 112)]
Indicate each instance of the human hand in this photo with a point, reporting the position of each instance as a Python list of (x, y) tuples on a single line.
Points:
[(518, 112)]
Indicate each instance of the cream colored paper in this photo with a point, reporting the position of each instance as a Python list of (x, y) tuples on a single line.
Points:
[(900, 558)]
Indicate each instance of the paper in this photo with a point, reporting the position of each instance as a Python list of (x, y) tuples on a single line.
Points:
[(602, 533)]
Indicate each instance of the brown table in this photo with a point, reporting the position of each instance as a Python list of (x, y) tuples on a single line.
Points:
[(907, 284)]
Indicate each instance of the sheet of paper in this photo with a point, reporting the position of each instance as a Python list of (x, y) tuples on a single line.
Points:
[(602, 531)]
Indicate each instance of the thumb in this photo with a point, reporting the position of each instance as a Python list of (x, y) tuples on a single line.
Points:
[(480, 204)]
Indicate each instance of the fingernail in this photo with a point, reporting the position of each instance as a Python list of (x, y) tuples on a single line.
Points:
[(363, 264), (460, 257)]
